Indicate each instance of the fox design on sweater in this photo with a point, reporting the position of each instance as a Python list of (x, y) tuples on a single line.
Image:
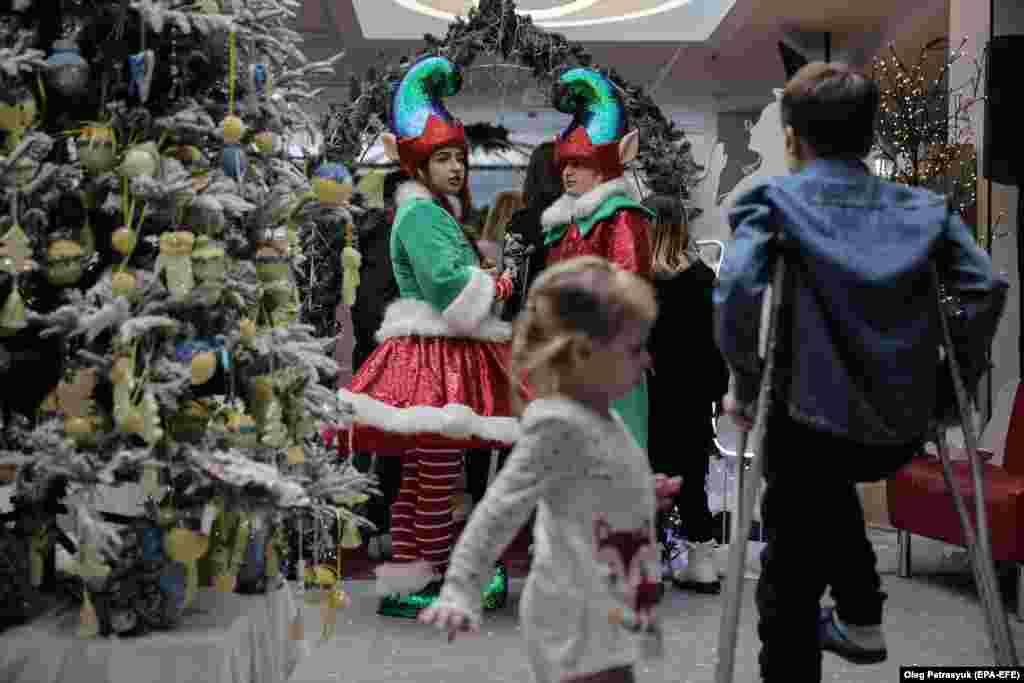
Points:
[(628, 553)]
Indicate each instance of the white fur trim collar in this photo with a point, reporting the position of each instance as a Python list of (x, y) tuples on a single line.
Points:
[(568, 208), (414, 189), (412, 317)]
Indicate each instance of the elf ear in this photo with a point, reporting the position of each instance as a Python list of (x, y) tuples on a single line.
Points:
[(390, 143), (629, 146)]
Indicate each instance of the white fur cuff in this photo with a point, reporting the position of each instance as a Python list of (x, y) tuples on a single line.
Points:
[(415, 318), (473, 304)]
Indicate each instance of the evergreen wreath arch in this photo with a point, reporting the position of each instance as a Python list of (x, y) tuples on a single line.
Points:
[(494, 29)]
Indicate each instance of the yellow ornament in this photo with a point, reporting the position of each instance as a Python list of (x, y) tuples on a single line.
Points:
[(265, 141), (187, 546), (122, 371), (233, 129), (77, 427), (64, 262), (123, 240), (225, 583), (19, 114), (247, 330), (134, 422), (203, 367), (296, 455), (123, 283)]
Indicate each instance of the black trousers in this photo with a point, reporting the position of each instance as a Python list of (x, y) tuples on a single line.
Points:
[(816, 539), (389, 480), (692, 465)]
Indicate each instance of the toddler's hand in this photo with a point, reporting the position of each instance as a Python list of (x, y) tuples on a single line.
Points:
[(742, 414), (449, 619), (666, 489)]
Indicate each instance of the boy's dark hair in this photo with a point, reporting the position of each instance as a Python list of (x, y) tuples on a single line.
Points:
[(833, 108)]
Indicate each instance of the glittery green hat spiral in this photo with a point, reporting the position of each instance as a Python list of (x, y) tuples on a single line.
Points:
[(419, 118), (598, 120)]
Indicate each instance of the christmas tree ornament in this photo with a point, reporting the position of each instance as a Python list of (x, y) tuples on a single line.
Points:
[(202, 368), (15, 258), (18, 109), (187, 154), (296, 455), (124, 283), (232, 129), (140, 74), (265, 141), (332, 184), (210, 267), (66, 72), (259, 80), (273, 267), (97, 149), (175, 262), (142, 160), (247, 330), (351, 261), (242, 430), (234, 161), (187, 547), (206, 216), (123, 240), (65, 262), (18, 112)]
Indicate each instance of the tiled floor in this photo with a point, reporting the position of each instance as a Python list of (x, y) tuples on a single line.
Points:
[(932, 619)]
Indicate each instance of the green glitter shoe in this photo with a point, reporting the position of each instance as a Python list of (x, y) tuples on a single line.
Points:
[(409, 606), (496, 593)]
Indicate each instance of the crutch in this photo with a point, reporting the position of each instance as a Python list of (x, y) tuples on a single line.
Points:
[(978, 540), (747, 486)]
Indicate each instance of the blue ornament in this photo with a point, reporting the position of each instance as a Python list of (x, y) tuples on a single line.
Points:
[(66, 71), (331, 170), (259, 79), (140, 74), (173, 584), (152, 544), (184, 351), (234, 161)]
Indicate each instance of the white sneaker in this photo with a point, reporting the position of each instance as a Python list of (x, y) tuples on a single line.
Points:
[(700, 573)]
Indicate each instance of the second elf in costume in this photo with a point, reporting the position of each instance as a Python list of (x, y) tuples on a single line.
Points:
[(599, 214), (438, 384)]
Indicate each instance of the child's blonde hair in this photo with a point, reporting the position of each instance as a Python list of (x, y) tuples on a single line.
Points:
[(578, 301)]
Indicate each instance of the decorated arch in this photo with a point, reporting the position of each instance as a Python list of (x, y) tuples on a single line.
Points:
[(493, 29)]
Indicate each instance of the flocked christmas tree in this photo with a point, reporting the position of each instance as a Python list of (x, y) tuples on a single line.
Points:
[(149, 323)]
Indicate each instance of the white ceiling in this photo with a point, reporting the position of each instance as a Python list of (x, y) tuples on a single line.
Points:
[(737, 58)]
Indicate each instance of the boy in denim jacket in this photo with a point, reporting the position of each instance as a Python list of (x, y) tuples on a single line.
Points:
[(854, 396)]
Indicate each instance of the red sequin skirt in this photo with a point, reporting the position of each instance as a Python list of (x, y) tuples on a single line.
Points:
[(431, 392)]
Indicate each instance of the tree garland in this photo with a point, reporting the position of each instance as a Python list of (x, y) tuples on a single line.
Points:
[(494, 29)]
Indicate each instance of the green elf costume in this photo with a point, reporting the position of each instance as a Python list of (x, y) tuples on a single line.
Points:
[(438, 384), (608, 221)]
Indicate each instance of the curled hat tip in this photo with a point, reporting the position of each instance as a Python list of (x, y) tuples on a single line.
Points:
[(419, 94)]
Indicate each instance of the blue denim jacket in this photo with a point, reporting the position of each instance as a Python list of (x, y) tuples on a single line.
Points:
[(860, 330)]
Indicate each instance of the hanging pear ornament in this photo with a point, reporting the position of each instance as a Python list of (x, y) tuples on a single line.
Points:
[(175, 262), (142, 160), (97, 149)]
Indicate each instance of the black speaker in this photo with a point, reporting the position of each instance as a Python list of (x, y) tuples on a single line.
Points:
[(1003, 153)]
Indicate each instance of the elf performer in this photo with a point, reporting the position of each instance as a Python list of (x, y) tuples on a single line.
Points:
[(600, 213), (438, 384)]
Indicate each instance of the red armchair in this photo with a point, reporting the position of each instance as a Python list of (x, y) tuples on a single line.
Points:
[(919, 502)]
